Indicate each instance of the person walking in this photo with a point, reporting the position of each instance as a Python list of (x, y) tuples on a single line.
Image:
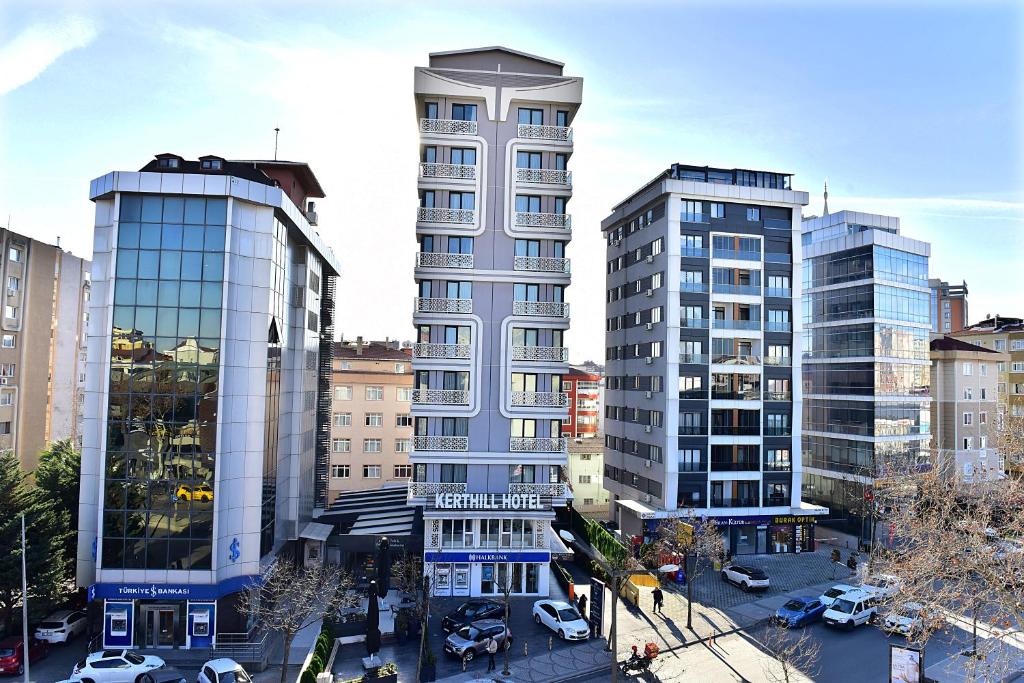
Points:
[(659, 600), (492, 649), (581, 605)]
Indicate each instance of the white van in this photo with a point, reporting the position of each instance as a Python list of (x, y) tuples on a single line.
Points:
[(852, 608)]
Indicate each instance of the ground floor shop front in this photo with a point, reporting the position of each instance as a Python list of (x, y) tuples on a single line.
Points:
[(760, 535), (485, 573)]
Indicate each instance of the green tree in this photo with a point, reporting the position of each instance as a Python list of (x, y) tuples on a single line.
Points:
[(46, 533), (59, 477)]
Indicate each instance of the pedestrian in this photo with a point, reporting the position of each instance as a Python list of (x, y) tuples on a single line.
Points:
[(581, 605), (659, 600), (492, 649)]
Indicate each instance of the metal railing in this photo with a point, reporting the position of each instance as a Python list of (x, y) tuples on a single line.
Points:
[(698, 323), (735, 465), (752, 290), (694, 253), (738, 255), (440, 214), (693, 287), (555, 490), (547, 309), (540, 399), (691, 394), (535, 132), (440, 397), (439, 305), (778, 396), (780, 292), (530, 444), (778, 326), (448, 126), (694, 217), (422, 489), (440, 443), (735, 430), (548, 176), (453, 171), (694, 358), (535, 219), (555, 354), (776, 257), (427, 350), (734, 503), (748, 395), (541, 264), (726, 324), (784, 361), (731, 359), (778, 431), (435, 259), (241, 647)]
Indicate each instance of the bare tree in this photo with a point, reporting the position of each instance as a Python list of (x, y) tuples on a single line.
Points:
[(288, 598), (953, 550), (792, 656), (698, 541), (413, 582), (1008, 440)]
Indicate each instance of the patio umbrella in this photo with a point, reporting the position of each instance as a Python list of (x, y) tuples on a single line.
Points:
[(372, 623), (383, 567), (668, 568)]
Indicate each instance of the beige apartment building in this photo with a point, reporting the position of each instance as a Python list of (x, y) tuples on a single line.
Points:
[(585, 472), (371, 427), (964, 409), (42, 345)]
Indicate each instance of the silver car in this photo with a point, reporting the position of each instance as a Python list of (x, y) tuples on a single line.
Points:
[(469, 641)]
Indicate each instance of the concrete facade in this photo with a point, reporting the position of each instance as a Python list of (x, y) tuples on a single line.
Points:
[(586, 403), (585, 472), (948, 306)]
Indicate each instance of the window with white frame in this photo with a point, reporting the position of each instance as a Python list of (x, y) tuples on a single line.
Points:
[(968, 393), (1000, 344), (717, 210), (374, 419), (983, 418), (13, 283), (404, 394), (6, 398), (1017, 367), (14, 254), (372, 445), (400, 368), (341, 471), (11, 312), (403, 420), (341, 445), (968, 418), (689, 460), (584, 478), (343, 392), (654, 453), (403, 472), (968, 369), (374, 393), (983, 369), (343, 419), (403, 445), (982, 442), (371, 471), (1017, 345), (8, 341), (968, 443)]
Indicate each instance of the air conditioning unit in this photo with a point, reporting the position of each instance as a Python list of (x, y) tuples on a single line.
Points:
[(648, 360), (647, 464), (650, 258), (616, 243), (647, 428), (648, 394), (649, 292), (649, 326)]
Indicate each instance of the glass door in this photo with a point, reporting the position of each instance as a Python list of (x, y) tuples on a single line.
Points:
[(159, 626)]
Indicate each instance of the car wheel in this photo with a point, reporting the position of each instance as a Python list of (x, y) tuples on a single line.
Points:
[(468, 655), (850, 625), (725, 577), (561, 634), (21, 669), (536, 618), (183, 497), (873, 618), (88, 680), (745, 586)]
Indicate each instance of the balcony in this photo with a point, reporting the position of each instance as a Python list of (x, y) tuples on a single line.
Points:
[(785, 430), (693, 394), (730, 359), (778, 396), (778, 326), (748, 395), (440, 397), (779, 292), (734, 502), (546, 176), (557, 133), (781, 361), (692, 430), (437, 214), (694, 323), (735, 430), (440, 443), (747, 290), (533, 219), (737, 255), (544, 309), (427, 259), (693, 358), (428, 305), (540, 399), (693, 287), (541, 264), (551, 354), (555, 490), (448, 171), (728, 324), (693, 467), (693, 252), (685, 217), (448, 127), (452, 351), (425, 489), (532, 444), (734, 465)]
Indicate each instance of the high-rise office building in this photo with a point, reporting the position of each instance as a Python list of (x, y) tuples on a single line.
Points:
[(948, 306), (493, 226), (207, 391), (702, 402), (42, 346), (866, 368)]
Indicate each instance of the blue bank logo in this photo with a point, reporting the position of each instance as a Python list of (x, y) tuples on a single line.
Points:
[(95, 542), (234, 548)]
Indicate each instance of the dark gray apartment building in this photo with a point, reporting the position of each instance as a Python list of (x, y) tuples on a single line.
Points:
[(703, 398)]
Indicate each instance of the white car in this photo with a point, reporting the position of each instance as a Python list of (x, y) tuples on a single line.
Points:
[(114, 666), (883, 585), (747, 578), (60, 627), (851, 609), (562, 618), (908, 619), (829, 596), (223, 671)]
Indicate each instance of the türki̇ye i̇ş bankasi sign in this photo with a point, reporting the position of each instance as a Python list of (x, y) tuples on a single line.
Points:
[(488, 501)]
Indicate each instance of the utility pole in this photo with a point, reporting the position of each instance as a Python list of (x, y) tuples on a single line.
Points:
[(24, 599), (277, 131)]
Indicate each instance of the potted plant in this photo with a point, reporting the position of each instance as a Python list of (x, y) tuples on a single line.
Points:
[(402, 626), (385, 673), (428, 670)]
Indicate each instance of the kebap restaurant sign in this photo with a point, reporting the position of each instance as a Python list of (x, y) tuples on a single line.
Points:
[(488, 501)]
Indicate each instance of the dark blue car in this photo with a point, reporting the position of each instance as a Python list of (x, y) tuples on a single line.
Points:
[(799, 612)]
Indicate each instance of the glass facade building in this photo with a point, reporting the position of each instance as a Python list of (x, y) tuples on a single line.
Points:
[(866, 369)]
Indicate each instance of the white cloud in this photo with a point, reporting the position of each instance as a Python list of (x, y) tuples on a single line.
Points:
[(40, 45)]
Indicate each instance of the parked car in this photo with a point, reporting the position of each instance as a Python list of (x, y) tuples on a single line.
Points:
[(562, 618), (163, 676), (60, 627), (851, 609), (747, 578), (114, 666), (471, 640), (799, 612), (829, 596), (223, 670), (12, 653), (883, 585), (909, 619), (471, 611)]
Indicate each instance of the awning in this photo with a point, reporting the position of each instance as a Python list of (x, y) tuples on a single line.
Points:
[(377, 512), (559, 550), (315, 531), (642, 511)]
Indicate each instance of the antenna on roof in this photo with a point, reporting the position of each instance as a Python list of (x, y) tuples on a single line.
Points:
[(826, 197), (277, 132)]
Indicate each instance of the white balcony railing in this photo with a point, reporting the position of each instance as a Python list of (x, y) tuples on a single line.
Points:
[(532, 219), (437, 214), (532, 132), (449, 171), (425, 350), (547, 176), (425, 305), (540, 399), (546, 309), (541, 264), (555, 490), (440, 397), (428, 259), (553, 354), (449, 127), (424, 489), (441, 443), (526, 444)]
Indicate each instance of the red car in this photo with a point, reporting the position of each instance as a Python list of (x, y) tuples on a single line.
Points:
[(12, 653)]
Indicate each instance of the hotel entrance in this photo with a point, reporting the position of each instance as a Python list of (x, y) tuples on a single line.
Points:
[(159, 625)]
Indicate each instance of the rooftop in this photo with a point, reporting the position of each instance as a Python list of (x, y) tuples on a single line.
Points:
[(371, 350), (951, 344), (995, 324), (495, 48)]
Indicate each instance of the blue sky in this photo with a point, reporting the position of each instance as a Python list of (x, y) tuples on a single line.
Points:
[(911, 109)]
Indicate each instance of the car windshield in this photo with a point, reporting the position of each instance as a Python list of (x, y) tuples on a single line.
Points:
[(236, 676), (834, 592), (6, 651), (469, 632), (568, 614), (844, 606), (794, 606), (51, 624), (134, 658)]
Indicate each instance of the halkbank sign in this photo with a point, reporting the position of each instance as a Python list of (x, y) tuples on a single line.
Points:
[(488, 501)]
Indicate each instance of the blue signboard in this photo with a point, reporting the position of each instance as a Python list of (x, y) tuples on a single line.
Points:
[(169, 591), (487, 556)]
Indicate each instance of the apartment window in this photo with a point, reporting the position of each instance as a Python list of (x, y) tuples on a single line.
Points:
[(562, 119), (1001, 388), (1017, 345), (464, 156), (717, 210), (654, 453), (345, 365), (983, 443), (341, 445), (692, 245), (430, 155), (584, 478), (7, 398), (403, 445), (462, 200), (403, 420), (1017, 367), (211, 164), (372, 445), (11, 312), (403, 472), (371, 471), (983, 369), (404, 394), (14, 254), (5, 427), (463, 112), (452, 473), (7, 369), (13, 283), (968, 393), (588, 501), (982, 418), (753, 213), (374, 420), (984, 393), (341, 471), (374, 393), (528, 160), (343, 393), (399, 368), (968, 418), (532, 117), (968, 443), (777, 460), (689, 460), (968, 369), (8, 341), (430, 110), (585, 457), (343, 419)]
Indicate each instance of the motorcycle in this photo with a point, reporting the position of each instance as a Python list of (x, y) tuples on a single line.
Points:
[(638, 662)]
